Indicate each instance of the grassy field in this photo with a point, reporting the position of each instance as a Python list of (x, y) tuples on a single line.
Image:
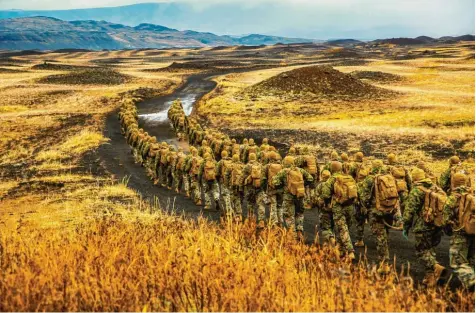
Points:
[(74, 238)]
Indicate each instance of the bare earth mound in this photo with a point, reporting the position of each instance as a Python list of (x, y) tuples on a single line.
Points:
[(321, 82), (58, 67), (376, 76), (88, 77)]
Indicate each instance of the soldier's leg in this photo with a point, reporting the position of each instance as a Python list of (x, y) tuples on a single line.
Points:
[(237, 197), (381, 237), (279, 200), (299, 214), (169, 181), (195, 189), (214, 192), (186, 184), (273, 208), (288, 211), (250, 201), (360, 225), (424, 250), (307, 199), (228, 211), (459, 251), (260, 201), (325, 225), (342, 228), (206, 188)]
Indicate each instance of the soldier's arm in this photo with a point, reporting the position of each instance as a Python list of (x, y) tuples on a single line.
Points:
[(412, 204), (365, 191), (445, 180), (218, 166), (449, 210), (408, 179), (264, 176), (308, 179), (244, 174), (327, 187), (200, 170), (278, 180)]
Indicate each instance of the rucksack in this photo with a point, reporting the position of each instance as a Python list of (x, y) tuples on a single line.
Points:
[(435, 200), (386, 193), (209, 171), (171, 157), (361, 173), (217, 149), (236, 171), (346, 167), (273, 169), (454, 170), (466, 213), (252, 149), (256, 175), (181, 121), (180, 161), (196, 163), (163, 156), (295, 183), (225, 165), (345, 189), (311, 164), (399, 173), (235, 149)]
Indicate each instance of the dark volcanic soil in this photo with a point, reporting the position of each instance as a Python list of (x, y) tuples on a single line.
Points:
[(86, 77), (322, 82), (116, 158), (376, 76)]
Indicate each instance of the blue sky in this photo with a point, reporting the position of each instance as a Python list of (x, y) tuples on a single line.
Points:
[(363, 19)]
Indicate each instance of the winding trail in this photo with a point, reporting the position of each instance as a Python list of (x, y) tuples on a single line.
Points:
[(116, 158)]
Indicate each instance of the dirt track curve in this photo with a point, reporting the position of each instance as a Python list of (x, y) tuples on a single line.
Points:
[(117, 159)]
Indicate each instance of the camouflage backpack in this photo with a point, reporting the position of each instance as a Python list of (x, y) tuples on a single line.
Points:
[(435, 200), (181, 121), (362, 172), (209, 171), (226, 164), (386, 193), (256, 175), (399, 173), (311, 164), (252, 149), (295, 183), (163, 156), (273, 169), (196, 163), (466, 213), (235, 149), (345, 189), (236, 172), (180, 160)]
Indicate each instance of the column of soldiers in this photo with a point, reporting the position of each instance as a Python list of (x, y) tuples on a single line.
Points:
[(386, 196)]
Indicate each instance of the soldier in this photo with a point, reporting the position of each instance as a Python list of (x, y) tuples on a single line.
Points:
[(233, 174), (178, 173), (251, 180), (428, 173), (251, 148), (308, 162), (379, 194), (275, 196), (264, 144), (192, 167), (359, 172), (446, 177), (162, 164), (427, 233), (404, 181), (326, 219), (294, 180), (208, 176), (205, 148), (243, 147), (333, 157), (169, 168), (292, 151), (223, 165), (341, 190), (459, 216), (346, 164)]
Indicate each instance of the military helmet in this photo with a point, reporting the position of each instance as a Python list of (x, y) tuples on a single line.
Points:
[(344, 157), (359, 156), (459, 179), (418, 174), (336, 167), (421, 165), (245, 141), (377, 163), (233, 141), (180, 149), (251, 141), (334, 155), (204, 142), (325, 175), (292, 151), (163, 143), (288, 161), (224, 154), (391, 158), (207, 156), (273, 156), (454, 160), (236, 157), (252, 157), (265, 141)]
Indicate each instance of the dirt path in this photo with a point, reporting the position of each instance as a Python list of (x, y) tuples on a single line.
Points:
[(117, 159)]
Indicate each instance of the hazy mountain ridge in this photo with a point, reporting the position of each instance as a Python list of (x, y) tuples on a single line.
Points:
[(46, 33)]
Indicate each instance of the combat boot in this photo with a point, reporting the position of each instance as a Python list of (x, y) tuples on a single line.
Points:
[(332, 242), (438, 270), (384, 269), (359, 243), (300, 236), (351, 256), (260, 225), (187, 194)]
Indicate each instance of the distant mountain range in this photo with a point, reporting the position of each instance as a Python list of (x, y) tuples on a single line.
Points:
[(47, 33)]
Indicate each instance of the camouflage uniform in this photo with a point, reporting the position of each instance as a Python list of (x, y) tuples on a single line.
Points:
[(178, 174), (236, 190), (209, 187), (445, 178), (250, 148), (275, 196), (326, 219), (377, 219), (461, 244), (253, 195), (222, 167), (427, 236), (292, 206), (169, 169), (392, 165), (341, 214), (301, 161), (194, 181)]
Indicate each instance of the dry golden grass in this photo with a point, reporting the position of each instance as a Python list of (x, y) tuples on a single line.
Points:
[(159, 262)]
